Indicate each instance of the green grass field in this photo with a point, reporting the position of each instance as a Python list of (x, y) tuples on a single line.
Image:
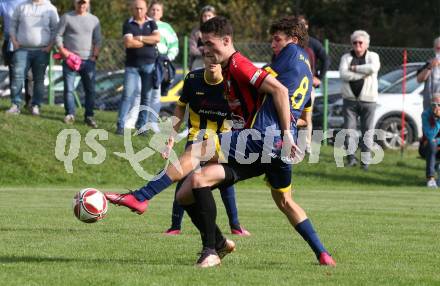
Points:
[(382, 226), (380, 236)]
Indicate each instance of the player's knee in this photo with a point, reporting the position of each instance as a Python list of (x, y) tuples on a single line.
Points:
[(197, 180), (184, 197), (283, 200)]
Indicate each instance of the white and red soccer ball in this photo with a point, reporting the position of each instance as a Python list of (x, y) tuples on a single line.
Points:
[(89, 205)]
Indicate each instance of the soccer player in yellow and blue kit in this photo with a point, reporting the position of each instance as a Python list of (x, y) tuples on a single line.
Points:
[(208, 111), (291, 67)]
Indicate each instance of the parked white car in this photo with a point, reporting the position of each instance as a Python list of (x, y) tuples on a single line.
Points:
[(390, 105)]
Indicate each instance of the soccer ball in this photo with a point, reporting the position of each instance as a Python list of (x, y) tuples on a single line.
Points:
[(89, 205)]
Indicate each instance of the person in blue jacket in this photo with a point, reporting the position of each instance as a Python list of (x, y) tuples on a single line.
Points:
[(431, 128)]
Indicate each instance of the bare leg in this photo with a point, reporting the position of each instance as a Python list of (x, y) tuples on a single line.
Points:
[(209, 175), (191, 158), (294, 213), (298, 219)]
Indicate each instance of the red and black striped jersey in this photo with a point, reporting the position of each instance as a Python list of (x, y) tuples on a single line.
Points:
[(242, 80)]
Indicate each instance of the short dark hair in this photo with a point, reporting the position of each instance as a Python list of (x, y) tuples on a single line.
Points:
[(219, 26), (292, 27)]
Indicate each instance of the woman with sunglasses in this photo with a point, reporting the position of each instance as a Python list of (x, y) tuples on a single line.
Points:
[(358, 70)]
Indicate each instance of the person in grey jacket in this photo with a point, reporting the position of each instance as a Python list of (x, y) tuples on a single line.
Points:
[(358, 70), (79, 33), (32, 33)]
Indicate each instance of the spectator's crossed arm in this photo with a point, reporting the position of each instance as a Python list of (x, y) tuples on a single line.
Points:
[(370, 68), (344, 70)]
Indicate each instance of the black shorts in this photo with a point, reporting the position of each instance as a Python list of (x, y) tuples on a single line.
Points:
[(278, 174)]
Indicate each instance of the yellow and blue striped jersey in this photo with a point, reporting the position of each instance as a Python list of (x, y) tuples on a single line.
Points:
[(208, 108)]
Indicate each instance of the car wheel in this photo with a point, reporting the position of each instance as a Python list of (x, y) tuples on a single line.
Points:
[(393, 128)]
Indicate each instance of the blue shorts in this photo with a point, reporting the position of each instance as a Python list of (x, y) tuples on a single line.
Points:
[(247, 158)]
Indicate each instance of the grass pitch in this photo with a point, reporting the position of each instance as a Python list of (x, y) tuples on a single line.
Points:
[(377, 236), (382, 226)]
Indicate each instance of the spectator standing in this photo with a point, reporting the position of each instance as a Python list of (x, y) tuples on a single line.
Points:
[(430, 75), (431, 128), (140, 38), (32, 32), (7, 7), (168, 49), (79, 35), (358, 70), (195, 40), (320, 63)]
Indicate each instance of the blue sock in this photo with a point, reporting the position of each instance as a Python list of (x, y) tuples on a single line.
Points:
[(177, 216), (228, 198), (154, 187), (305, 229), (178, 211)]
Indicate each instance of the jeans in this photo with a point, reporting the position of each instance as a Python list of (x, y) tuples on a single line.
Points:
[(431, 157), (365, 110), (131, 81), (22, 61), (154, 102), (87, 72)]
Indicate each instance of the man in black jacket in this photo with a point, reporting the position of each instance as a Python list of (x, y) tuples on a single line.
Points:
[(321, 63)]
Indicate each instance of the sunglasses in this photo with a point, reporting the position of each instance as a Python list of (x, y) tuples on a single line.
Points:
[(435, 104), (357, 43)]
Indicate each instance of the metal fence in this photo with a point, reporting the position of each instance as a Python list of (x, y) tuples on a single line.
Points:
[(390, 57), (112, 56)]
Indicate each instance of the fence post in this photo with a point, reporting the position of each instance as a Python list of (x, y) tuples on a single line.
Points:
[(325, 94), (50, 74), (402, 131), (185, 55)]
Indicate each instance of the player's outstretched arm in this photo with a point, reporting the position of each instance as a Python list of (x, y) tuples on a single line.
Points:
[(179, 113)]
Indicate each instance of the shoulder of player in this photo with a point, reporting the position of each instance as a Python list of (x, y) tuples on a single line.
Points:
[(195, 75), (238, 59)]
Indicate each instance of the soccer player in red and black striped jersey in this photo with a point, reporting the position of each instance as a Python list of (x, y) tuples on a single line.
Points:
[(208, 110), (256, 111)]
